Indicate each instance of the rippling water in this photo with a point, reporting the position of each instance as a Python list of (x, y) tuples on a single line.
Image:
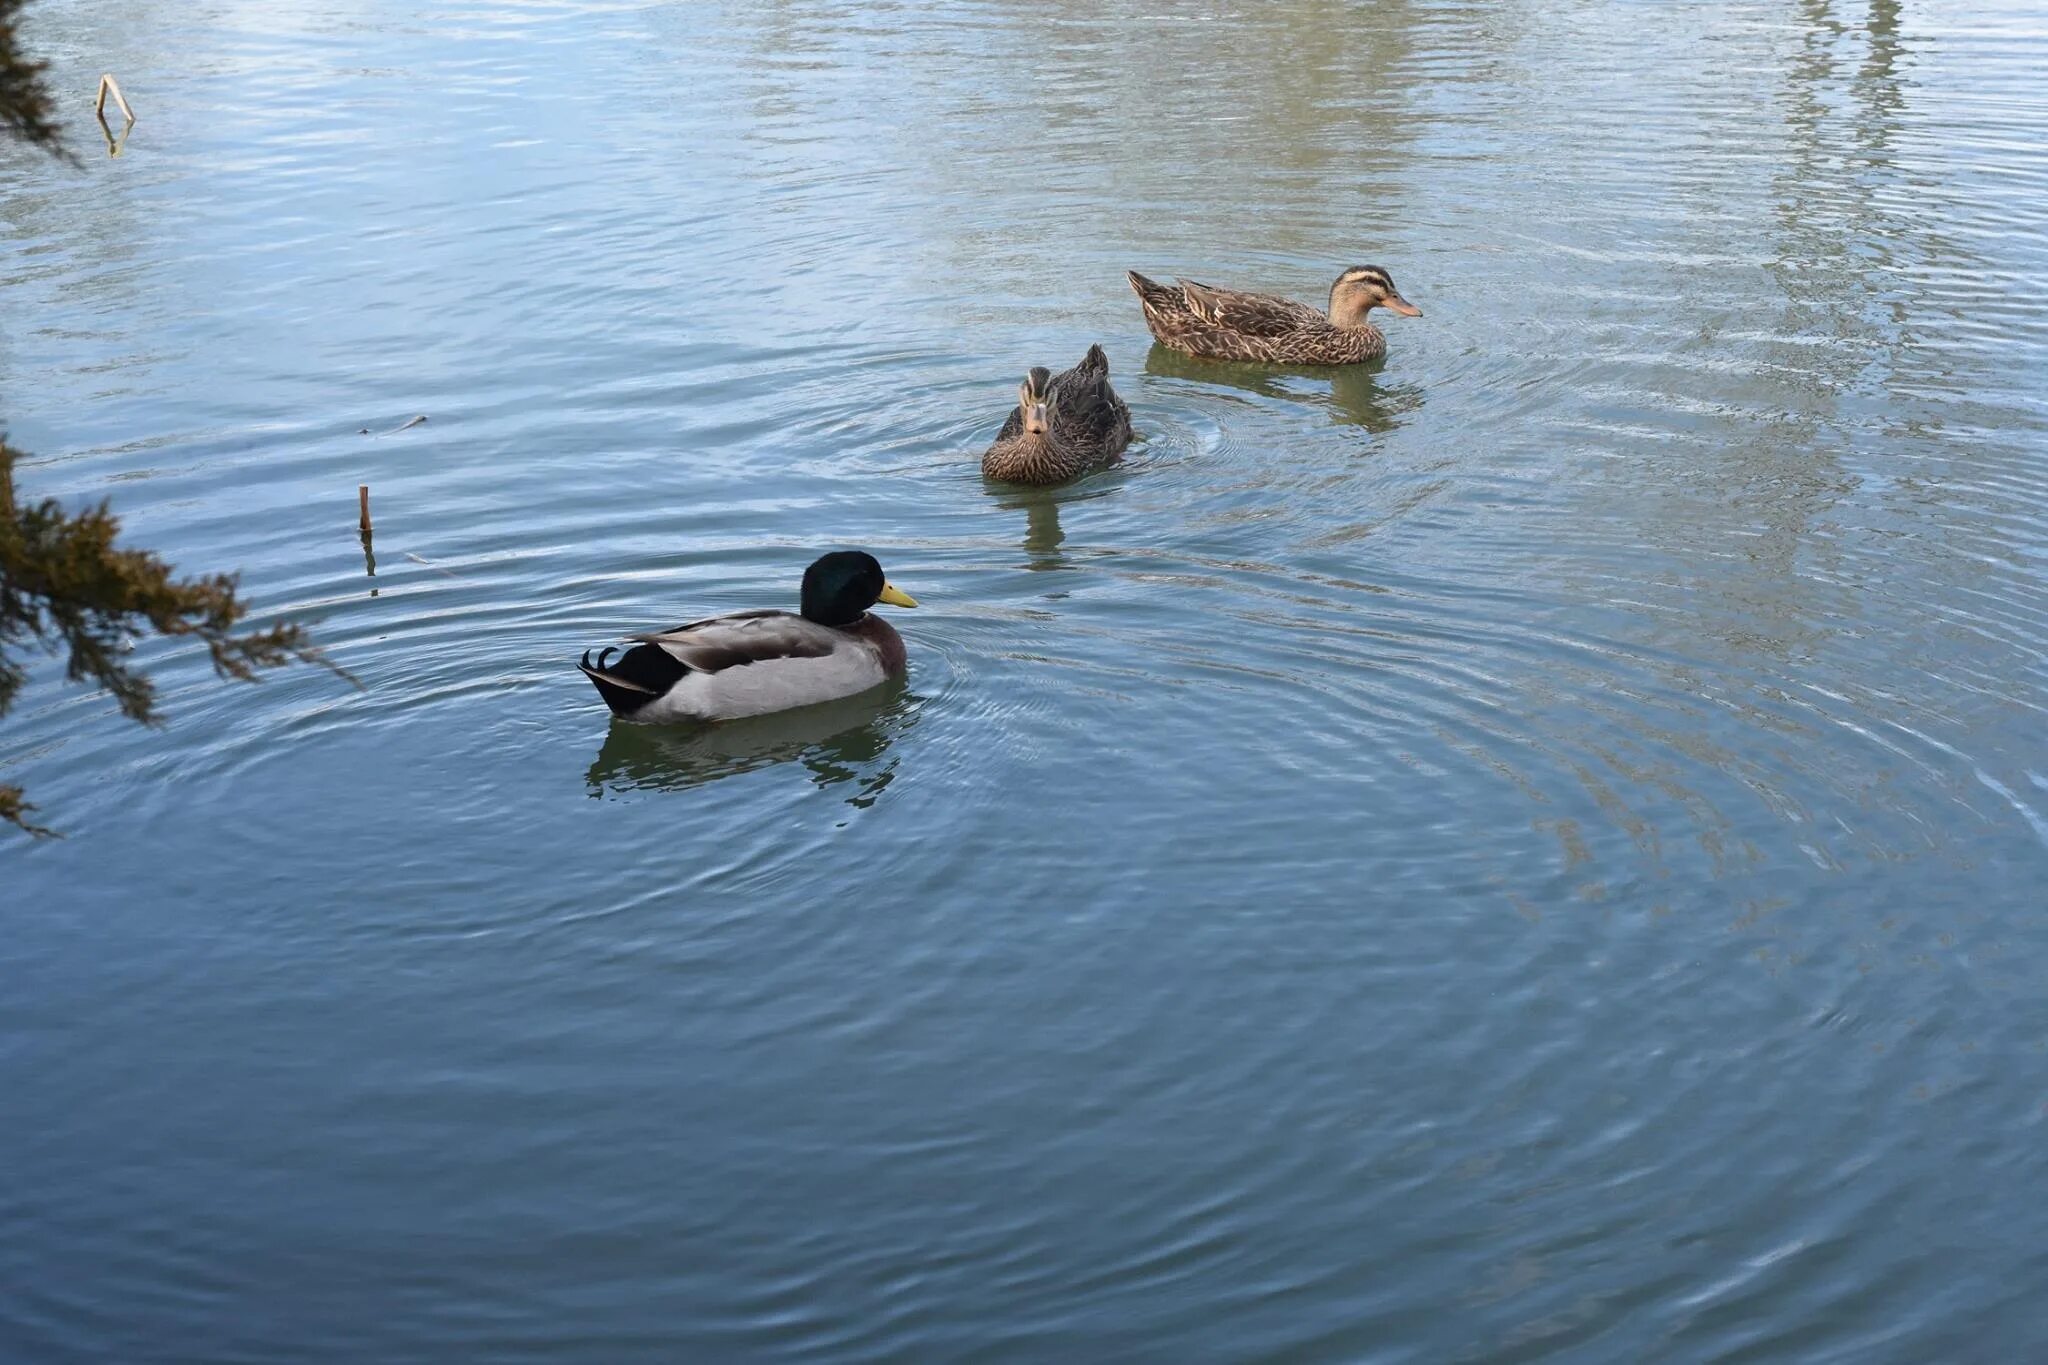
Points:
[(1534, 850)]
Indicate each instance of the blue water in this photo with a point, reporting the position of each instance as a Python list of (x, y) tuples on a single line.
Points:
[(1531, 851)]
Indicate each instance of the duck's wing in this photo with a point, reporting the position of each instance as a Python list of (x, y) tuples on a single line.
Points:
[(746, 637), (1086, 407), (747, 664), (1252, 315)]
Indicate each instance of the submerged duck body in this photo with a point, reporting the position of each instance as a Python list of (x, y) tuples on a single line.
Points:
[(1063, 426), (1231, 324), (753, 662)]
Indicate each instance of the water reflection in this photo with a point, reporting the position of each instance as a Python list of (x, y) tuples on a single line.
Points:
[(840, 742), (1319, 108), (115, 141), (1356, 395), (1043, 534), (1839, 240)]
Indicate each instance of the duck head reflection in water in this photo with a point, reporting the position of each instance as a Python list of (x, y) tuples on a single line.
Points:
[(839, 742), (1357, 395)]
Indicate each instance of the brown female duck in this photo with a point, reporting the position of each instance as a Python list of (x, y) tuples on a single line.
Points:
[(1063, 425), (1227, 324)]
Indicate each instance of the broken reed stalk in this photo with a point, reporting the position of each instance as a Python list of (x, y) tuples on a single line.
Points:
[(363, 505), (110, 86)]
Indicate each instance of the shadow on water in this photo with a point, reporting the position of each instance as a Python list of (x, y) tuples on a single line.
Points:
[(839, 742), (1355, 397)]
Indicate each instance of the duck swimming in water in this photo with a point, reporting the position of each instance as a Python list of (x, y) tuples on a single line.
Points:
[(754, 662), (1229, 324), (1063, 426)]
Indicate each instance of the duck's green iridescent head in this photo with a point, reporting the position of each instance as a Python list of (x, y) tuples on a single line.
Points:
[(840, 587)]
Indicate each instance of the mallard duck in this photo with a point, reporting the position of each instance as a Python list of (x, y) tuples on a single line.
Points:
[(754, 662), (1226, 324), (1063, 425)]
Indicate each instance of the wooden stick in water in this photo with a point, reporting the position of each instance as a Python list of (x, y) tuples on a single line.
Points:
[(363, 504), (108, 85)]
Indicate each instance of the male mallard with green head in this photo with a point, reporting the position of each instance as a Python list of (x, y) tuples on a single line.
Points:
[(1228, 324), (1063, 425), (754, 662)]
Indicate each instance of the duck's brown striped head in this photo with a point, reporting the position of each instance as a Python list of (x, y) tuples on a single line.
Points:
[(1032, 397), (1363, 288)]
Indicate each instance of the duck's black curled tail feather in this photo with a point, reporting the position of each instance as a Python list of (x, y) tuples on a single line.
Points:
[(642, 673)]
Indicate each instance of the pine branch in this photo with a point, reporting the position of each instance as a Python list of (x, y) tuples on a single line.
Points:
[(67, 587)]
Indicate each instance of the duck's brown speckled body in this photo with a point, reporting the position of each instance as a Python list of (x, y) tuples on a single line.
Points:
[(1229, 324), (1063, 425)]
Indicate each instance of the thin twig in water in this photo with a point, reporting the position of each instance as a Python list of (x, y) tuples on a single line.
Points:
[(110, 86), (406, 425), (431, 564)]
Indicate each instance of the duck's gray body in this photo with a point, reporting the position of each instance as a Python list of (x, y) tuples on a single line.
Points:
[(746, 664)]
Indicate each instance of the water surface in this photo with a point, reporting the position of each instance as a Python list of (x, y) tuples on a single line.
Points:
[(1533, 850)]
